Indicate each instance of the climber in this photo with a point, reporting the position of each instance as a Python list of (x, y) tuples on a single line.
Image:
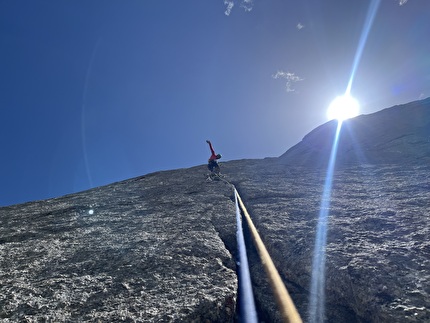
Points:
[(212, 162)]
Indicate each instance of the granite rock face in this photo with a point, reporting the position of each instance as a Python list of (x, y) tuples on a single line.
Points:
[(378, 249), (162, 247), (150, 249), (400, 134)]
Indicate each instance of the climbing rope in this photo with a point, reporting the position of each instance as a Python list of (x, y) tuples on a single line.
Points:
[(247, 305), (286, 306)]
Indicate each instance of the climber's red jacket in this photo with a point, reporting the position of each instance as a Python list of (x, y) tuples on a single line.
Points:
[(213, 156)]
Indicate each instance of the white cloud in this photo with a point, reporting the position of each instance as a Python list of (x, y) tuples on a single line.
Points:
[(290, 77), (245, 4), (230, 5), (402, 2), (300, 26)]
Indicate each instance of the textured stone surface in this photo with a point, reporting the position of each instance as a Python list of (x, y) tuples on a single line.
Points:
[(400, 134), (154, 248), (378, 249), (161, 248)]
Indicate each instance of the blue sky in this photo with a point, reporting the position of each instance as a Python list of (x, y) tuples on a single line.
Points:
[(94, 92)]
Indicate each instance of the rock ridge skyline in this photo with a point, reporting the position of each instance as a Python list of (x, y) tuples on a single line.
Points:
[(400, 134), (162, 247)]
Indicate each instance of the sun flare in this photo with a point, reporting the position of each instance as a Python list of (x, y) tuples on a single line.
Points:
[(342, 108)]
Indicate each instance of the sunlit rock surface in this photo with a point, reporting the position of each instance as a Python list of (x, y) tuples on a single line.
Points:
[(161, 248), (151, 249), (378, 249)]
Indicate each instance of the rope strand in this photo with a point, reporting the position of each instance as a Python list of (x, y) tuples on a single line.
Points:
[(287, 308), (286, 305)]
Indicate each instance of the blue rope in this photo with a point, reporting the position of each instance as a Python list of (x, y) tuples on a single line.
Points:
[(247, 305)]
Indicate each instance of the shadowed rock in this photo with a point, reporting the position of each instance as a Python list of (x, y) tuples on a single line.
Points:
[(378, 249), (161, 248), (400, 134)]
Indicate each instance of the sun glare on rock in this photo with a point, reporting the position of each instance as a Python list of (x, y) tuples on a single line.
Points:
[(342, 108)]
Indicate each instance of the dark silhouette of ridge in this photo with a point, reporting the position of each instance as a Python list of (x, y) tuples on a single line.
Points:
[(400, 134)]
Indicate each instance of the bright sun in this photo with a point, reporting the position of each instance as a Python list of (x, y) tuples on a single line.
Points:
[(342, 108)]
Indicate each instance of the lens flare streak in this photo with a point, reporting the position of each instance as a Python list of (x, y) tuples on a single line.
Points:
[(374, 5), (317, 293), (316, 308)]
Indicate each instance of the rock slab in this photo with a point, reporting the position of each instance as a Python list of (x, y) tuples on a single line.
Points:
[(150, 249), (161, 248)]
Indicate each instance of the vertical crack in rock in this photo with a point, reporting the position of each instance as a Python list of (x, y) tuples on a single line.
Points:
[(378, 250), (161, 247)]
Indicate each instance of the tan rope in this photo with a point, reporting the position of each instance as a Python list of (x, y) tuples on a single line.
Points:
[(288, 310)]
